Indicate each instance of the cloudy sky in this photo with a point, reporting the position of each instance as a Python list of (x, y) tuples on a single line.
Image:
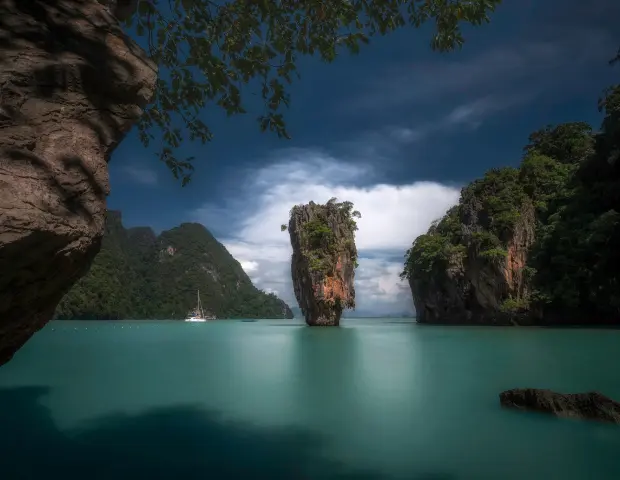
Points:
[(397, 130)]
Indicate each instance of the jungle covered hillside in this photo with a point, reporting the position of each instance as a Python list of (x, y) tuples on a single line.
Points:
[(539, 243), (139, 275)]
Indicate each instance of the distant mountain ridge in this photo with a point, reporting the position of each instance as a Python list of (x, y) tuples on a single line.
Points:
[(140, 275)]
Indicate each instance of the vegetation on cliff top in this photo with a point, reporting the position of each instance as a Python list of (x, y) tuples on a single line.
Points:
[(207, 51), (140, 275), (330, 231), (571, 177)]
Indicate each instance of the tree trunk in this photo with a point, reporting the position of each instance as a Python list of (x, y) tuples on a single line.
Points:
[(71, 86)]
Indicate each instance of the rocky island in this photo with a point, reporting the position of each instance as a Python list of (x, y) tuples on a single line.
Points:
[(533, 245), (324, 259), (141, 275)]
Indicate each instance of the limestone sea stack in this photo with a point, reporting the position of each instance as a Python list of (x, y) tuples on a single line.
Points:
[(588, 406), (324, 259), (462, 272), (473, 286), (72, 84)]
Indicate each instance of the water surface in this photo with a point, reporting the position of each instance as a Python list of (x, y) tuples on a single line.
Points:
[(374, 399)]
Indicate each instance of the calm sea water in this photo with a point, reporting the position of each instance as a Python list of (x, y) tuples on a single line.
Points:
[(374, 399)]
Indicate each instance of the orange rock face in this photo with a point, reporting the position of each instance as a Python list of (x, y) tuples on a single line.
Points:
[(335, 287)]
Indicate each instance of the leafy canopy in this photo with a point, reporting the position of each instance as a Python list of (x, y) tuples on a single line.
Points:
[(207, 50), (568, 143)]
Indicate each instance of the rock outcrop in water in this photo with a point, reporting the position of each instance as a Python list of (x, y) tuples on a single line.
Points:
[(472, 282), (590, 406), (324, 259), (530, 245), (72, 84)]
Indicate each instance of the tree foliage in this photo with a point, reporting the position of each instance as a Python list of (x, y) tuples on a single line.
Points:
[(576, 254), (568, 143), (495, 201), (572, 177), (208, 51)]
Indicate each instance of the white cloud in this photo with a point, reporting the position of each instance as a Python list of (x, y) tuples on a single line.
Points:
[(249, 266), (392, 216), (473, 113), (142, 175), (271, 290), (470, 114), (405, 134)]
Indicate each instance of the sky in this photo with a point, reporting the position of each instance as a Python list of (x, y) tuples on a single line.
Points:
[(397, 130)]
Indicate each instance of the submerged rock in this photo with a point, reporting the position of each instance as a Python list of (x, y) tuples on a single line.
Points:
[(591, 405), (324, 259), (72, 85)]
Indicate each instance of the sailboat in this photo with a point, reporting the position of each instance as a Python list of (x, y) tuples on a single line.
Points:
[(197, 315)]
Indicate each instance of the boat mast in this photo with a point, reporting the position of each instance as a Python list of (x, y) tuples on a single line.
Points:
[(199, 305)]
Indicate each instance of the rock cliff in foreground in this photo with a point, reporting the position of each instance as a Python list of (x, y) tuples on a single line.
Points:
[(587, 406), (324, 259), (140, 275), (530, 245), (71, 86)]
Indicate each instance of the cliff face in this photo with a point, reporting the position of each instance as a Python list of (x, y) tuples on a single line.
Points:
[(472, 287), (324, 260), (71, 86), (139, 275)]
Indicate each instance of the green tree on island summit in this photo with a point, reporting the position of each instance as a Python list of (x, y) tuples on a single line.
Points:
[(208, 50)]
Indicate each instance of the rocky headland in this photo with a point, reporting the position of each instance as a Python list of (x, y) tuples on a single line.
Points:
[(324, 259), (479, 274), (72, 84), (533, 245)]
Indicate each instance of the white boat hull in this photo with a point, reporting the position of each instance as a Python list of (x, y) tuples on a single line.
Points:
[(195, 319)]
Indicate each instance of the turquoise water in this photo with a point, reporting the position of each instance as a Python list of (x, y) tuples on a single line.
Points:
[(276, 400)]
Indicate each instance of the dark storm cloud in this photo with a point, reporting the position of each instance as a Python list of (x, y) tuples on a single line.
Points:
[(551, 39), (599, 14)]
